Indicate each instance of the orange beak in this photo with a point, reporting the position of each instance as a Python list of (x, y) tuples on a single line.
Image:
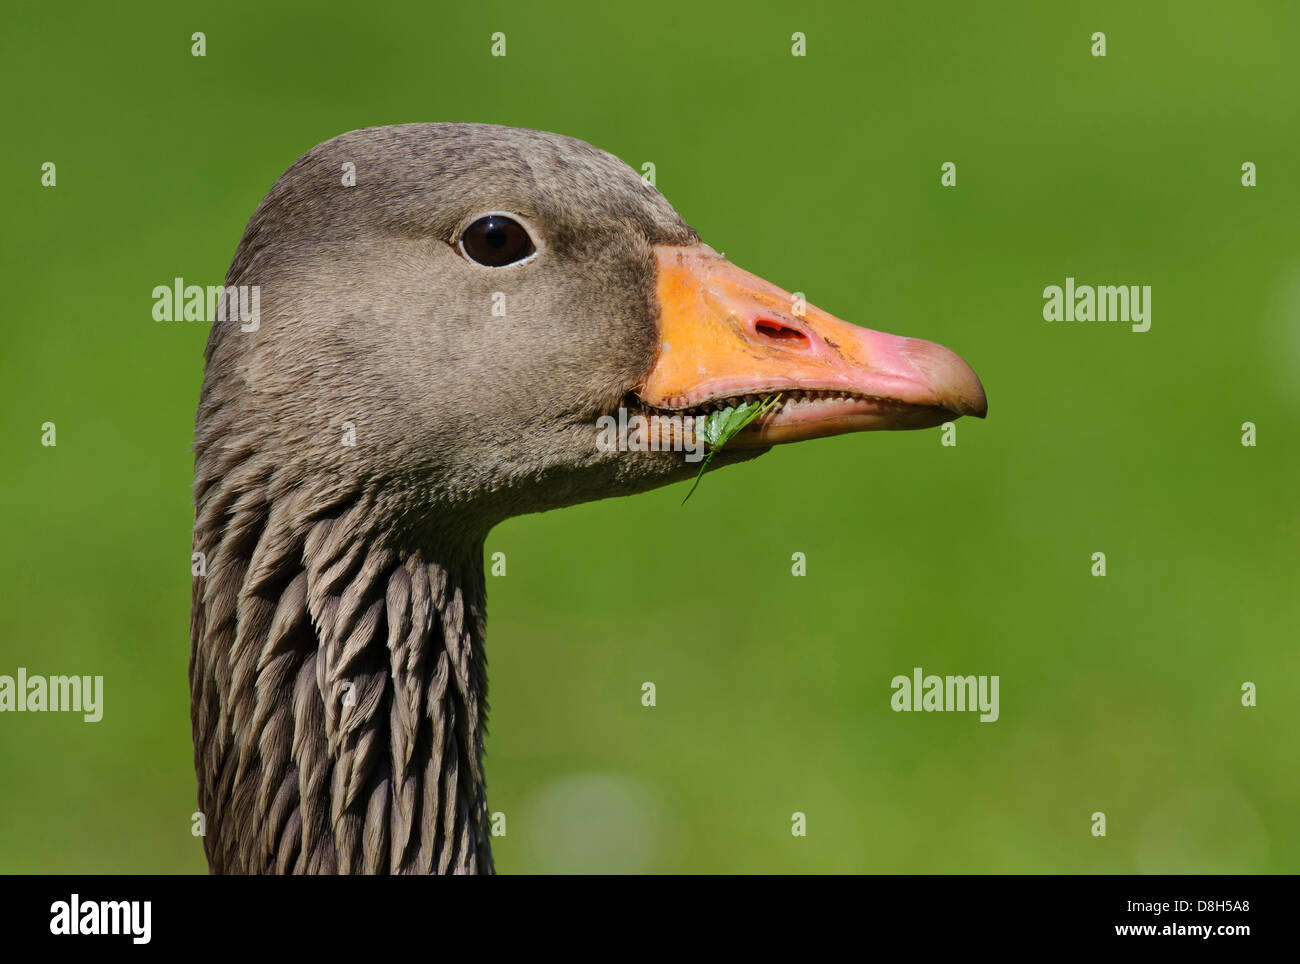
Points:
[(725, 334)]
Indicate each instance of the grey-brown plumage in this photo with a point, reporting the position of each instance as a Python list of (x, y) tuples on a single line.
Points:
[(337, 664)]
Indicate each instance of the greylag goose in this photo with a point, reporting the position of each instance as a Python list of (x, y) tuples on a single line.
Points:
[(440, 334)]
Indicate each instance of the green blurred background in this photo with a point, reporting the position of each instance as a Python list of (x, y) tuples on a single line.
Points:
[(820, 173)]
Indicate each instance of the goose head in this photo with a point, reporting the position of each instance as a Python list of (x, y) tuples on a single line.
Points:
[(481, 296), (441, 334)]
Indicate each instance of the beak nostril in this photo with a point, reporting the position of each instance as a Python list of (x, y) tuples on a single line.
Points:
[(777, 331)]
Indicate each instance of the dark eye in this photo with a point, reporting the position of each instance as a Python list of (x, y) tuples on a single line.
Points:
[(496, 240)]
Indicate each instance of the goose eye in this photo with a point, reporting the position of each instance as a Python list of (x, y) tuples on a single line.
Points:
[(495, 241)]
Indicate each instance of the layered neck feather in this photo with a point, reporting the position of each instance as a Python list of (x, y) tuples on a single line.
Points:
[(338, 684)]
